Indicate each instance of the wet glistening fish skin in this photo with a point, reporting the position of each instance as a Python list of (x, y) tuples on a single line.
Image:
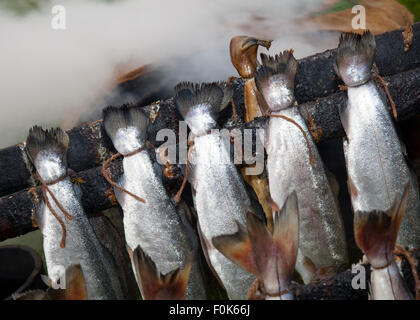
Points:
[(219, 192), (154, 225), (321, 230), (82, 246), (220, 199), (376, 166), (290, 167)]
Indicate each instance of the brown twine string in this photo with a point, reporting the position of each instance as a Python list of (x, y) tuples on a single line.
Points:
[(385, 85), (45, 189), (311, 157), (107, 176), (400, 250), (177, 197)]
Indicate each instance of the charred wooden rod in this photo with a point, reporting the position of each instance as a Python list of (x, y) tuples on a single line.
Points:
[(89, 146), (15, 209)]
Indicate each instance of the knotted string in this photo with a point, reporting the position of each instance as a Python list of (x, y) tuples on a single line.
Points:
[(45, 189), (311, 158), (385, 85), (107, 176)]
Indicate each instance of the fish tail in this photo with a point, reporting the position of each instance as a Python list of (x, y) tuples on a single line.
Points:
[(156, 286), (354, 59), (199, 104), (270, 256), (75, 288), (277, 74), (238, 248), (54, 140), (126, 126), (275, 253), (376, 231)]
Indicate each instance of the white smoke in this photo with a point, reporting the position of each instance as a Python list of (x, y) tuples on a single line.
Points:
[(56, 77)]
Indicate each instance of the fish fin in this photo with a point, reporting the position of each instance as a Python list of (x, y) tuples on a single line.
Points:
[(309, 267), (205, 244), (352, 188), (75, 286), (47, 281), (335, 187), (199, 104), (30, 295), (283, 62), (277, 73), (243, 54), (156, 286), (275, 254), (75, 283), (265, 109), (354, 59), (238, 248), (286, 234), (377, 231), (126, 116), (227, 94), (55, 140)]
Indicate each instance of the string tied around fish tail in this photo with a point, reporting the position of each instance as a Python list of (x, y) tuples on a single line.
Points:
[(177, 197), (107, 174), (311, 157), (45, 189), (388, 94)]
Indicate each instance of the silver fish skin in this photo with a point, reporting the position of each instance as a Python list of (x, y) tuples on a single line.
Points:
[(219, 193), (376, 165), (156, 225), (111, 239), (220, 200), (388, 284), (321, 229), (82, 245)]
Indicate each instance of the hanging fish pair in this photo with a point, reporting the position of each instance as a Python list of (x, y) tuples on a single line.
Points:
[(383, 189), (60, 216), (157, 233), (294, 164)]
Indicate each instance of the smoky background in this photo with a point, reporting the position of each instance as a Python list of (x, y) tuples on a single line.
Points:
[(63, 77)]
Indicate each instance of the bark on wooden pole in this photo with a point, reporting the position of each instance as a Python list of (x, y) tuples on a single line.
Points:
[(15, 209)]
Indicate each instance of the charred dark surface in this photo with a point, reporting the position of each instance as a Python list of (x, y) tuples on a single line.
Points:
[(89, 147), (340, 286), (336, 288), (316, 77)]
